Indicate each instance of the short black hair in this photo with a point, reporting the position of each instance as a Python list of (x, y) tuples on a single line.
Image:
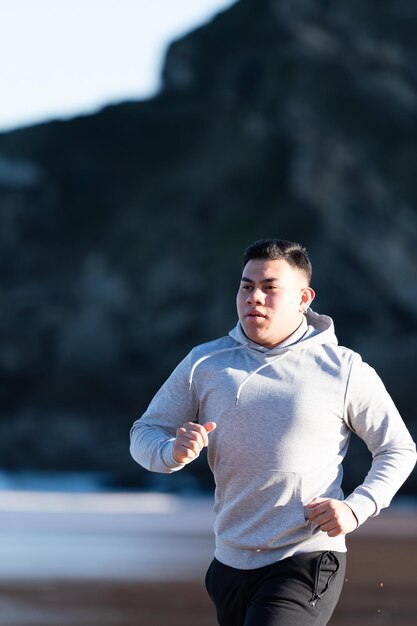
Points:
[(273, 249)]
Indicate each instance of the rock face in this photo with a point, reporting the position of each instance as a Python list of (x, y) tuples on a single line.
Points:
[(121, 233)]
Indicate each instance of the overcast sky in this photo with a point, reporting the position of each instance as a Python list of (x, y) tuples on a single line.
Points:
[(60, 58)]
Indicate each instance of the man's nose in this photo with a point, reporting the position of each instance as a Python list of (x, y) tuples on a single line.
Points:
[(255, 296)]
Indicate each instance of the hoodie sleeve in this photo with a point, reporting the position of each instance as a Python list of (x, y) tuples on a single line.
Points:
[(372, 415), (152, 436)]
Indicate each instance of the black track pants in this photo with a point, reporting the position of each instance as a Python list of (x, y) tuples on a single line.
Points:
[(301, 590)]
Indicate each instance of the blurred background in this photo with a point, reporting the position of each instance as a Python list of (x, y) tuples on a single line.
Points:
[(143, 146)]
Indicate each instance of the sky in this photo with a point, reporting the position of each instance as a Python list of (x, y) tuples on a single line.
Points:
[(61, 58)]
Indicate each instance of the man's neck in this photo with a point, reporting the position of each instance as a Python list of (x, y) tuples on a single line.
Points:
[(295, 336)]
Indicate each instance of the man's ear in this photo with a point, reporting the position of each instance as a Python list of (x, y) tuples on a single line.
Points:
[(307, 297)]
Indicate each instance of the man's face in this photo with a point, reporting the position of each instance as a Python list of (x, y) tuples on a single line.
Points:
[(271, 300)]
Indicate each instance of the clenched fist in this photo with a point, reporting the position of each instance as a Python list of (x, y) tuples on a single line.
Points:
[(333, 517), (191, 438)]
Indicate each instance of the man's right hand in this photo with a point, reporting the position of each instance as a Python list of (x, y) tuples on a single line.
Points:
[(191, 438)]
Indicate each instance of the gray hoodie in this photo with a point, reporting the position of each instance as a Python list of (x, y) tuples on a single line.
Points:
[(284, 418)]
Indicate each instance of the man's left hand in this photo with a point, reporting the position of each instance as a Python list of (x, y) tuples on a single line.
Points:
[(333, 517)]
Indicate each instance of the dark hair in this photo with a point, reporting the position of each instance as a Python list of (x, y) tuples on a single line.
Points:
[(273, 249)]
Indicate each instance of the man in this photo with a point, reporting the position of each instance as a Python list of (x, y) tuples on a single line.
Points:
[(275, 402)]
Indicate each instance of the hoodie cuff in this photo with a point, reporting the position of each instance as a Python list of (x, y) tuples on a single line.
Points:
[(168, 457), (362, 507)]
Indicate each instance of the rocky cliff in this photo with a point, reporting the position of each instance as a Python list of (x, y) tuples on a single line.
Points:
[(121, 232)]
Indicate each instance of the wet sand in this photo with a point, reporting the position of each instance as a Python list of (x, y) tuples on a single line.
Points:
[(380, 588)]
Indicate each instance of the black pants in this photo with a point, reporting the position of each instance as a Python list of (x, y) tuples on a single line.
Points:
[(301, 590)]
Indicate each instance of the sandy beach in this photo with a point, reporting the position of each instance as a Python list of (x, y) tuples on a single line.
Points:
[(140, 559)]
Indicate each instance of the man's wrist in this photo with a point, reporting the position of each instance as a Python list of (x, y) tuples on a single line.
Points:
[(168, 456)]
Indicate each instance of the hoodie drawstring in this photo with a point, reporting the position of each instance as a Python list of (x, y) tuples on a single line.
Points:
[(207, 356), (258, 369)]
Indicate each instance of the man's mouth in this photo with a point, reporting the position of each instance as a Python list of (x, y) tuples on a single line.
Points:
[(255, 314)]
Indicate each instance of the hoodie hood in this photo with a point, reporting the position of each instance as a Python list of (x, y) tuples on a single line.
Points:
[(315, 329)]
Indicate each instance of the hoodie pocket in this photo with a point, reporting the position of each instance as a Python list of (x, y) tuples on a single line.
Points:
[(260, 508)]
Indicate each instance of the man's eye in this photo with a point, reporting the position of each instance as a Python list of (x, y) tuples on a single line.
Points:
[(245, 287)]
